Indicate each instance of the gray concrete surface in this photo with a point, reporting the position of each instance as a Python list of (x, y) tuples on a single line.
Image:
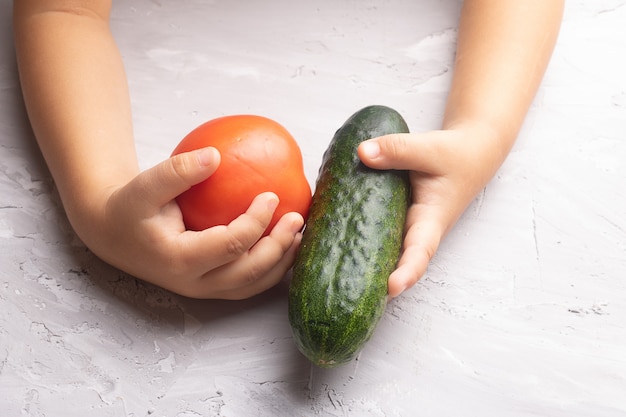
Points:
[(522, 312)]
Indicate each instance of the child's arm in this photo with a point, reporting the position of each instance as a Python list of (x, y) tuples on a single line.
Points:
[(77, 99), (503, 49)]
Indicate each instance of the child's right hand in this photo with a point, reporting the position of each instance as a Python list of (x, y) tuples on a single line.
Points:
[(138, 227)]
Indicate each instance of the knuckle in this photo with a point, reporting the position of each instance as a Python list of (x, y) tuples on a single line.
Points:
[(235, 245), (258, 223), (180, 167), (395, 145), (429, 252), (254, 273)]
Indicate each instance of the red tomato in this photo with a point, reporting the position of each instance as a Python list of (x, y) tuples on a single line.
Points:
[(257, 155)]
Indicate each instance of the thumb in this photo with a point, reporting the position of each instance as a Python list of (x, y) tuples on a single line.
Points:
[(407, 151), (165, 181)]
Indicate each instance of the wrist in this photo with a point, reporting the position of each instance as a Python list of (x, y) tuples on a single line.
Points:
[(487, 142), (85, 205)]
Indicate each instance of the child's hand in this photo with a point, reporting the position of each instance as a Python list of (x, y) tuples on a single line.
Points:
[(140, 229), (448, 168)]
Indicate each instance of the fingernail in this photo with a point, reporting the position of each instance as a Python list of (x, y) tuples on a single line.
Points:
[(296, 226), (406, 287), (206, 156), (272, 203), (370, 149), (397, 294)]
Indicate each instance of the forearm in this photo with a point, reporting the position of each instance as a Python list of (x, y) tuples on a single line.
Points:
[(76, 95), (503, 50)]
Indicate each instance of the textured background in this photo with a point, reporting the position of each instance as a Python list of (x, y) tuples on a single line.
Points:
[(522, 312)]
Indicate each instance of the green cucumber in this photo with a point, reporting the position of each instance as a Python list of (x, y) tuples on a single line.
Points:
[(350, 245)]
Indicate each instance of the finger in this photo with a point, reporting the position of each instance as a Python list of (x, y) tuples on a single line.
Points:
[(411, 267), (274, 275), (220, 245), (165, 181), (270, 279), (420, 244), (269, 250), (263, 266), (404, 151)]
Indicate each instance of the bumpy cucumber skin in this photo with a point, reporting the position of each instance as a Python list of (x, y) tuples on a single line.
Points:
[(350, 245)]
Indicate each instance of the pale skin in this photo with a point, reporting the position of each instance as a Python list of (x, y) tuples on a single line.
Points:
[(81, 116)]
